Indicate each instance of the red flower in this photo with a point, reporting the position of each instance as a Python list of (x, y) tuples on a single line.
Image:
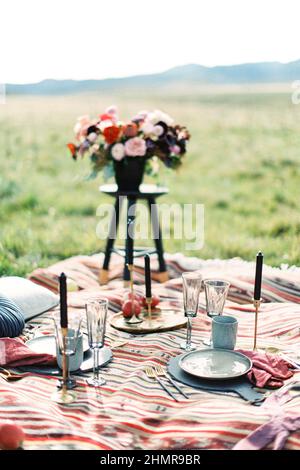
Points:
[(131, 130), (104, 117), (72, 149), (111, 134)]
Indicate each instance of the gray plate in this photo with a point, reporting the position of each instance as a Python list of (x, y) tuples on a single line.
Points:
[(215, 364), (240, 385), (46, 344)]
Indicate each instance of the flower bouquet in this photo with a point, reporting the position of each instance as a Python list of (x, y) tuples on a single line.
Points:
[(127, 150)]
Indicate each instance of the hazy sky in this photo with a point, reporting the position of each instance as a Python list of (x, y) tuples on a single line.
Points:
[(110, 38)]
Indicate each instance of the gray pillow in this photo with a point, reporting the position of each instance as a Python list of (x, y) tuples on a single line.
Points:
[(31, 298)]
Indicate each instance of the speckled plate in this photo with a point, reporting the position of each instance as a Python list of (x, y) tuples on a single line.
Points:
[(215, 364)]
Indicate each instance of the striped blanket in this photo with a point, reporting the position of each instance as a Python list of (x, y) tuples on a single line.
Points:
[(131, 411)]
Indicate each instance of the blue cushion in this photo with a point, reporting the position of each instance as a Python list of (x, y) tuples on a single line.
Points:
[(11, 318)]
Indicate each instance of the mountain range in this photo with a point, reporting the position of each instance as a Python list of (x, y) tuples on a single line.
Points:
[(192, 74)]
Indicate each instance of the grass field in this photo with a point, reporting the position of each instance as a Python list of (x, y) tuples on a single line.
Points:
[(243, 164)]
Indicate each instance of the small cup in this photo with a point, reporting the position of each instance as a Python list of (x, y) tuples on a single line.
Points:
[(75, 360), (224, 332)]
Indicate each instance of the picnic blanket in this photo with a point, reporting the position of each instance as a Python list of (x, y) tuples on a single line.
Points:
[(131, 411)]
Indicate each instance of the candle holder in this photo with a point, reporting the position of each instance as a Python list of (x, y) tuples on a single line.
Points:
[(134, 320), (149, 302), (149, 322), (64, 396), (256, 304)]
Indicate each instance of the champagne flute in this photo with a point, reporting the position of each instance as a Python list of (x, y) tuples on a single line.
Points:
[(191, 291), (96, 314), (215, 293)]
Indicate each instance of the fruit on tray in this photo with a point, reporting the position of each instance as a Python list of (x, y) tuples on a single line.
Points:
[(130, 307), (154, 303), (12, 435), (139, 298)]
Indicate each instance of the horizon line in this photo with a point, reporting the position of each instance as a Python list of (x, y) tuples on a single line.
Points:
[(121, 77)]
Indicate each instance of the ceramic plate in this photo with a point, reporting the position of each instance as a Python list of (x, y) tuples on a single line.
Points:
[(215, 364), (46, 344)]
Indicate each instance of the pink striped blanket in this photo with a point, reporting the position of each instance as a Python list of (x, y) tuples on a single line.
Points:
[(131, 411)]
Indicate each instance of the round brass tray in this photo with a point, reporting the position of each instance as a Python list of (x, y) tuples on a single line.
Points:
[(162, 320)]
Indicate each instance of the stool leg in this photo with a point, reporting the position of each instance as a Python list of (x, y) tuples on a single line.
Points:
[(129, 239), (113, 228), (163, 273)]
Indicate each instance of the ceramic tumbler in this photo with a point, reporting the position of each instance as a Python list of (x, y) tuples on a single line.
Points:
[(224, 332)]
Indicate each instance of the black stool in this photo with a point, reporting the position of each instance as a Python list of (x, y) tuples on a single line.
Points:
[(149, 193)]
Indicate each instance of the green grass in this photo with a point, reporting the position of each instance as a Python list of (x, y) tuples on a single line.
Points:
[(242, 164)]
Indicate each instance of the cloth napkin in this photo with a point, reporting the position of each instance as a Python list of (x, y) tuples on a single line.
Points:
[(15, 353), (269, 370), (282, 422)]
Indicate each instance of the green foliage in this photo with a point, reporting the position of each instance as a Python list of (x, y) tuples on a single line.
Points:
[(242, 164)]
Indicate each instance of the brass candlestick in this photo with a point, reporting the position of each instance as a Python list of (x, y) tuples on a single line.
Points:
[(64, 396), (256, 304), (64, 332), (134, 319), (149, 302)]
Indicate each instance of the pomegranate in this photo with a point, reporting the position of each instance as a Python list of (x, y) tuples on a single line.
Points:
[(129, 308), (138, 298), (11, 435), (154, 303)]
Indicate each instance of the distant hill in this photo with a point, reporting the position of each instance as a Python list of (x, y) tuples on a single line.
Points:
[(264, 72)]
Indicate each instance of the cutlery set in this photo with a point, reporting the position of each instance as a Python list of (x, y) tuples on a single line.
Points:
[(157, 372)]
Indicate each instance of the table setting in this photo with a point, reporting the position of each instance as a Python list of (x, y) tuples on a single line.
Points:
[(203, 366)]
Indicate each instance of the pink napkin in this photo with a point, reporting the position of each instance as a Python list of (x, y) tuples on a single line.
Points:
[(269, 370), (282, 422), (14, 353)]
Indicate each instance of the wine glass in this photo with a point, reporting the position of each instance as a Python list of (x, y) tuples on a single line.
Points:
[(215, 293), (96, 314), (191, 291)]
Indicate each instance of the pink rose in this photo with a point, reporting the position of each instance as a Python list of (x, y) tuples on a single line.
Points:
[(118, 152), (176, 149), (81, 127), (135, 147)]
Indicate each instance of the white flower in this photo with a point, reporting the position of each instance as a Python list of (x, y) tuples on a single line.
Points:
[(95, 148), (158, 130), (118, 152), (147, 128), (104, 124), (77, 128), (92, 137), (112, 110), (156, 116)]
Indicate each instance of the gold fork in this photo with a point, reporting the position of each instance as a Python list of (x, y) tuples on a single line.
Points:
[(162, 373), (150, 372), (11, 376)]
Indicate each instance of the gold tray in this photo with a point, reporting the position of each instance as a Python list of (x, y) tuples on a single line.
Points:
[(162, 320)]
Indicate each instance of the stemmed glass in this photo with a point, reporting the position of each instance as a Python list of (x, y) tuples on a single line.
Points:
[(191, 291), (96, 314), (215, 293)]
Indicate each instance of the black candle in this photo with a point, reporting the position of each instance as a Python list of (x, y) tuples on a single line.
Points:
[(129, 247), (258, 275), (147, 276), (63, 301)]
